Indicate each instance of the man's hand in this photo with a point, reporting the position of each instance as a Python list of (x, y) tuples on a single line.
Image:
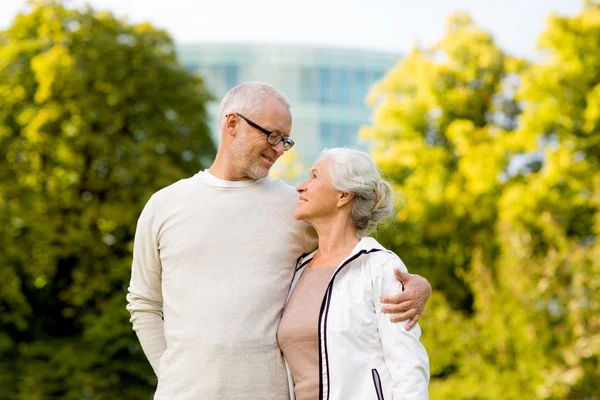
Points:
[(408, 304)]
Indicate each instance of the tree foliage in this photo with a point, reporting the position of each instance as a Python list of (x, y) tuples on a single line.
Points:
[(438, 119), (95, 115), (497, 163)]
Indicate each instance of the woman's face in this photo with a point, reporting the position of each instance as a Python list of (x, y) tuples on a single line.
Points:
[(318, 198)]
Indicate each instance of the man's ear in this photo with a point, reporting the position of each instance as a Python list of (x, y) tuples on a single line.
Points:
[(231, 120), (344, 198)]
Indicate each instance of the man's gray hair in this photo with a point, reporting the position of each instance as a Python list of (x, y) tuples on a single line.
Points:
[(248, 98), (353, 171)]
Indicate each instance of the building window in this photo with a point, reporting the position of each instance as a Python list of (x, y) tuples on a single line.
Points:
[(326, 135), (325, 85), (378, 74), (222, 77), (308, 84), (338, 135), (361, 86), (343, 86), (346, 135), (231, 75)]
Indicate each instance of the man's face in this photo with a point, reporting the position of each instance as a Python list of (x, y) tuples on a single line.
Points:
[(252, 154)]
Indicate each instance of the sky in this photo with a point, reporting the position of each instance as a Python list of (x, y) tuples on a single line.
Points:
[(393, 26)]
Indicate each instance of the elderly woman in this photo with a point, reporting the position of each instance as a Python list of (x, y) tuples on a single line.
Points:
[(337, 343)]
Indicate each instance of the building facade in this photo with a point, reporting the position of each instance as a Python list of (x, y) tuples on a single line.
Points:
[(326, 87)]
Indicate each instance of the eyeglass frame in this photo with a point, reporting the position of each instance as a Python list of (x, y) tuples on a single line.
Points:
[(286, 141)]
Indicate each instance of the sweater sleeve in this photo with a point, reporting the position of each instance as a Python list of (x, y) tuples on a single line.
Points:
[(144, 296), (405, 356)]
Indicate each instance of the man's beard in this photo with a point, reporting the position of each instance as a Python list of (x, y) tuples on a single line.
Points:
[(246, 162)]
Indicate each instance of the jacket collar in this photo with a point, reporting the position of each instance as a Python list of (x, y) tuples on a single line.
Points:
[(366, 244)]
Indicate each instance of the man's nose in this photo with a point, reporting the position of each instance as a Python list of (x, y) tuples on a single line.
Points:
[(279, 148)]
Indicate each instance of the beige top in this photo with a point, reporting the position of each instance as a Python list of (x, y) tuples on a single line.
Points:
[(298, 331)]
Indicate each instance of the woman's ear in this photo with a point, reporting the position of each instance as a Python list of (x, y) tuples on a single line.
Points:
[(344, 198)]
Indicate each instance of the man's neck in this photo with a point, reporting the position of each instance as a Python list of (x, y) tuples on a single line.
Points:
[(223, 170)]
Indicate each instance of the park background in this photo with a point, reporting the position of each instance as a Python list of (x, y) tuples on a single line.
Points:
[(487, 123)]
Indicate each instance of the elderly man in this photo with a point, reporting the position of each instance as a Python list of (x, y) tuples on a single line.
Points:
[(213, 259)]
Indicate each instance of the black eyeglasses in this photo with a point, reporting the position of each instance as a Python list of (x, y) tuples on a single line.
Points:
[(272, 137)]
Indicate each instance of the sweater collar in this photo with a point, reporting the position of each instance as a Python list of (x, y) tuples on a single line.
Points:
[(212, 180)]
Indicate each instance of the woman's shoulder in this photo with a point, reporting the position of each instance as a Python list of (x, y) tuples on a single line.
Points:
[(381, 258), (385, 259)]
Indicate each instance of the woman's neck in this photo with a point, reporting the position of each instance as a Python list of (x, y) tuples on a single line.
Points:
[(336, 242)]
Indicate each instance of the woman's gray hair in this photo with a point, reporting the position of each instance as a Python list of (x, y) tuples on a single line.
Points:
[(248, 99), (353, 171)]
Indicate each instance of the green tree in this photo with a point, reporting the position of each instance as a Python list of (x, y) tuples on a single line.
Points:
[(501, 207), (555, 209), (95, 115), (438, 115)]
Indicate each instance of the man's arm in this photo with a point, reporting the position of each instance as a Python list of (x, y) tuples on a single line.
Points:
[(408, 304), (145, 295)]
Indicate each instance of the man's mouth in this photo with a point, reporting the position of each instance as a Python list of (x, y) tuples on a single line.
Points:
[(269, 159)]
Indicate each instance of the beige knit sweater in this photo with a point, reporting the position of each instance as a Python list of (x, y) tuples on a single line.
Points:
[(212, 265)]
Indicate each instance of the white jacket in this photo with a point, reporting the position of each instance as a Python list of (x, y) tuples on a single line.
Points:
[(363, 355)]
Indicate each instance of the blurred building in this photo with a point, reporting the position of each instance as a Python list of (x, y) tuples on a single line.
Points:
[(326, 86)]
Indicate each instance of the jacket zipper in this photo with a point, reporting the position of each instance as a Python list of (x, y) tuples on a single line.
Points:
[(377, 383)]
